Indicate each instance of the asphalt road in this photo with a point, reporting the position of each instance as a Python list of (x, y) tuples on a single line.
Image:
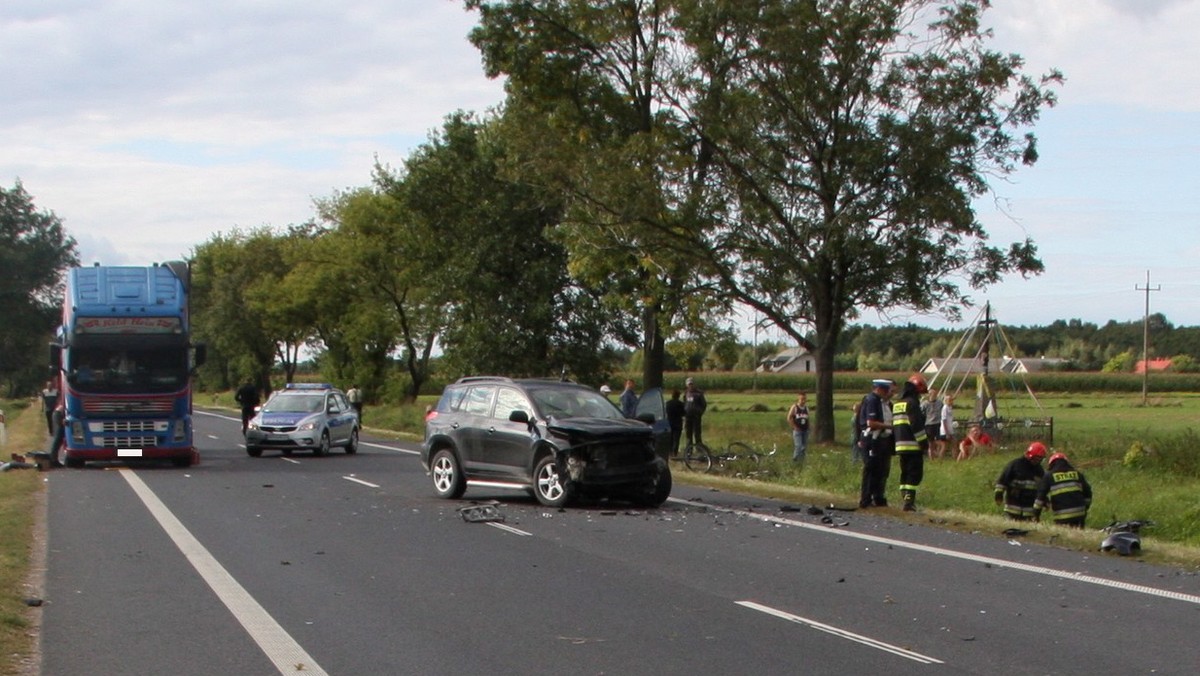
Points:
[(350, 565)]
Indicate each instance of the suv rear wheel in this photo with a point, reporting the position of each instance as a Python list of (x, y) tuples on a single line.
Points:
[(448, 479), (548, 485)]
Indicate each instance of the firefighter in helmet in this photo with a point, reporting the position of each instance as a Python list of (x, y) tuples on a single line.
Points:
[(1065, 491), (908, 423), (1017, 487)]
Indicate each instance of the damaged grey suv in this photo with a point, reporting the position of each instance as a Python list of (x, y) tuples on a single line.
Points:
[(556, 440)]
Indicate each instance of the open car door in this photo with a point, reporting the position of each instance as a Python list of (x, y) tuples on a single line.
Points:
[(651, 410)]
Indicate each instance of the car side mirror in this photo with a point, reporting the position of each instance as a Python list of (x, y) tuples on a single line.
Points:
[(519, 416)]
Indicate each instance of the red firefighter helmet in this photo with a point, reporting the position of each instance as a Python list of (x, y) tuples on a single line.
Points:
[(1036, 452), (918, 381), (1056, 457)]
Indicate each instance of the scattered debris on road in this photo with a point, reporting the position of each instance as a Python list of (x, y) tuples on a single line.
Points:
[(481, 512)]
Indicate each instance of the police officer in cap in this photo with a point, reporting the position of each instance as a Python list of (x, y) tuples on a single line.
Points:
[(878, 443)]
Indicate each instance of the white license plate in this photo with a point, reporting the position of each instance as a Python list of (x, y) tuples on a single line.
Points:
[(129, 452)]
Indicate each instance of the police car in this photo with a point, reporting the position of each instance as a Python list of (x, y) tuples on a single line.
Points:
[(304, 416)]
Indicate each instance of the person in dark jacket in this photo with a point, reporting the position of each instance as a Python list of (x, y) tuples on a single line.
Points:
[(1017, 487), (674, 411), (877, 443), (1065, 491), (247, 397), (694, 406)]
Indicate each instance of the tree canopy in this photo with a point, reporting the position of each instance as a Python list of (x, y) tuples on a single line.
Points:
[(807, 158), (35, 251)]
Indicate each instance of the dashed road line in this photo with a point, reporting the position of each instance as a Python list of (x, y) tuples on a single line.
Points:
[(842, 633)]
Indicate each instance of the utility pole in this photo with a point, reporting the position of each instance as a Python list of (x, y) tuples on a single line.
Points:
[(1146, 337)]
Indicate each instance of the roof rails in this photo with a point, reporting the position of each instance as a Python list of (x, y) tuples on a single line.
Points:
[(476, 379)]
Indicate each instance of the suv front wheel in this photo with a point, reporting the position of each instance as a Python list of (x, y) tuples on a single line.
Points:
[(549, 487)]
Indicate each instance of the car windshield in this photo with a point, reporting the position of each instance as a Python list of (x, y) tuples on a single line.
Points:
[(295, 403), (570, 402)]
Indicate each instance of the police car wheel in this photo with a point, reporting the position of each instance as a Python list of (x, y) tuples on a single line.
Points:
[(323, 447)]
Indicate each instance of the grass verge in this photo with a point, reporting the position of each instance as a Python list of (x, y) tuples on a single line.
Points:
[(20, 502)]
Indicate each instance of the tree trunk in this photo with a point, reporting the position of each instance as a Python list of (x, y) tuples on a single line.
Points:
[(654, 350), (824, 431)]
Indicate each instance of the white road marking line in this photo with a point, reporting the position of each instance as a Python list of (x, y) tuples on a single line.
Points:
[(360, 481), (842, 633), (283, 651), (999, 563), (291, 460), (388, 448), (507, 528), (212, 436)]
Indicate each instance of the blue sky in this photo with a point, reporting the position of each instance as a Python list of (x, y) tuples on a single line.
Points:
[(148, 126)]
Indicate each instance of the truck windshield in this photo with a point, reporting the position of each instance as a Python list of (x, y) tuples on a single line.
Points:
[(146, 368)]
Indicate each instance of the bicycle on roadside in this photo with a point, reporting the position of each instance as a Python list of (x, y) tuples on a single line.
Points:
[(737, 455)]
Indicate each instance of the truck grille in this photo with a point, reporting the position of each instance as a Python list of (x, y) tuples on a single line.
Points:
[(128, 442), (138, 406), (116, 426)]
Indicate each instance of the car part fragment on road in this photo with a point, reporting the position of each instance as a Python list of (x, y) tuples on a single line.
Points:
[(482, 512)]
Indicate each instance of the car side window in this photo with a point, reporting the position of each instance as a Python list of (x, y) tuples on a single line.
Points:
[(331, 404), (478, 400), (341, 402), (452, 399), (509, 400)]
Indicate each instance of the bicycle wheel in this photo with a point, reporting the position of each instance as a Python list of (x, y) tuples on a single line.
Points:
[(697, 458)]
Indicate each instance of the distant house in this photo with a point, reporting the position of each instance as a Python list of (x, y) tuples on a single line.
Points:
[(791, 360), (1153, 365), (963, 365)]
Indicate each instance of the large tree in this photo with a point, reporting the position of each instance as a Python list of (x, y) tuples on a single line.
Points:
[(512, 306), (240, 307), (588, 117), (851, 139), (35, 250)]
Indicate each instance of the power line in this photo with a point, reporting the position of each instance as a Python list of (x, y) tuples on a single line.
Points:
[(1146, 336)]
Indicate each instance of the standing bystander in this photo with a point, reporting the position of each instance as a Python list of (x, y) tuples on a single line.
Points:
[(948, 424), (49, 403), (932, 408), (629, 400), (356, 401), (674, 411), (797, 417), (856, 451), (247, 397), (694, 405)]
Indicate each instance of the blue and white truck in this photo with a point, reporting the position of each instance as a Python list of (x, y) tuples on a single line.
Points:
[(124, 360)]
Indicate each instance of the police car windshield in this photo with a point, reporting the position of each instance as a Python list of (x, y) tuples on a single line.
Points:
[(286, 402)]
